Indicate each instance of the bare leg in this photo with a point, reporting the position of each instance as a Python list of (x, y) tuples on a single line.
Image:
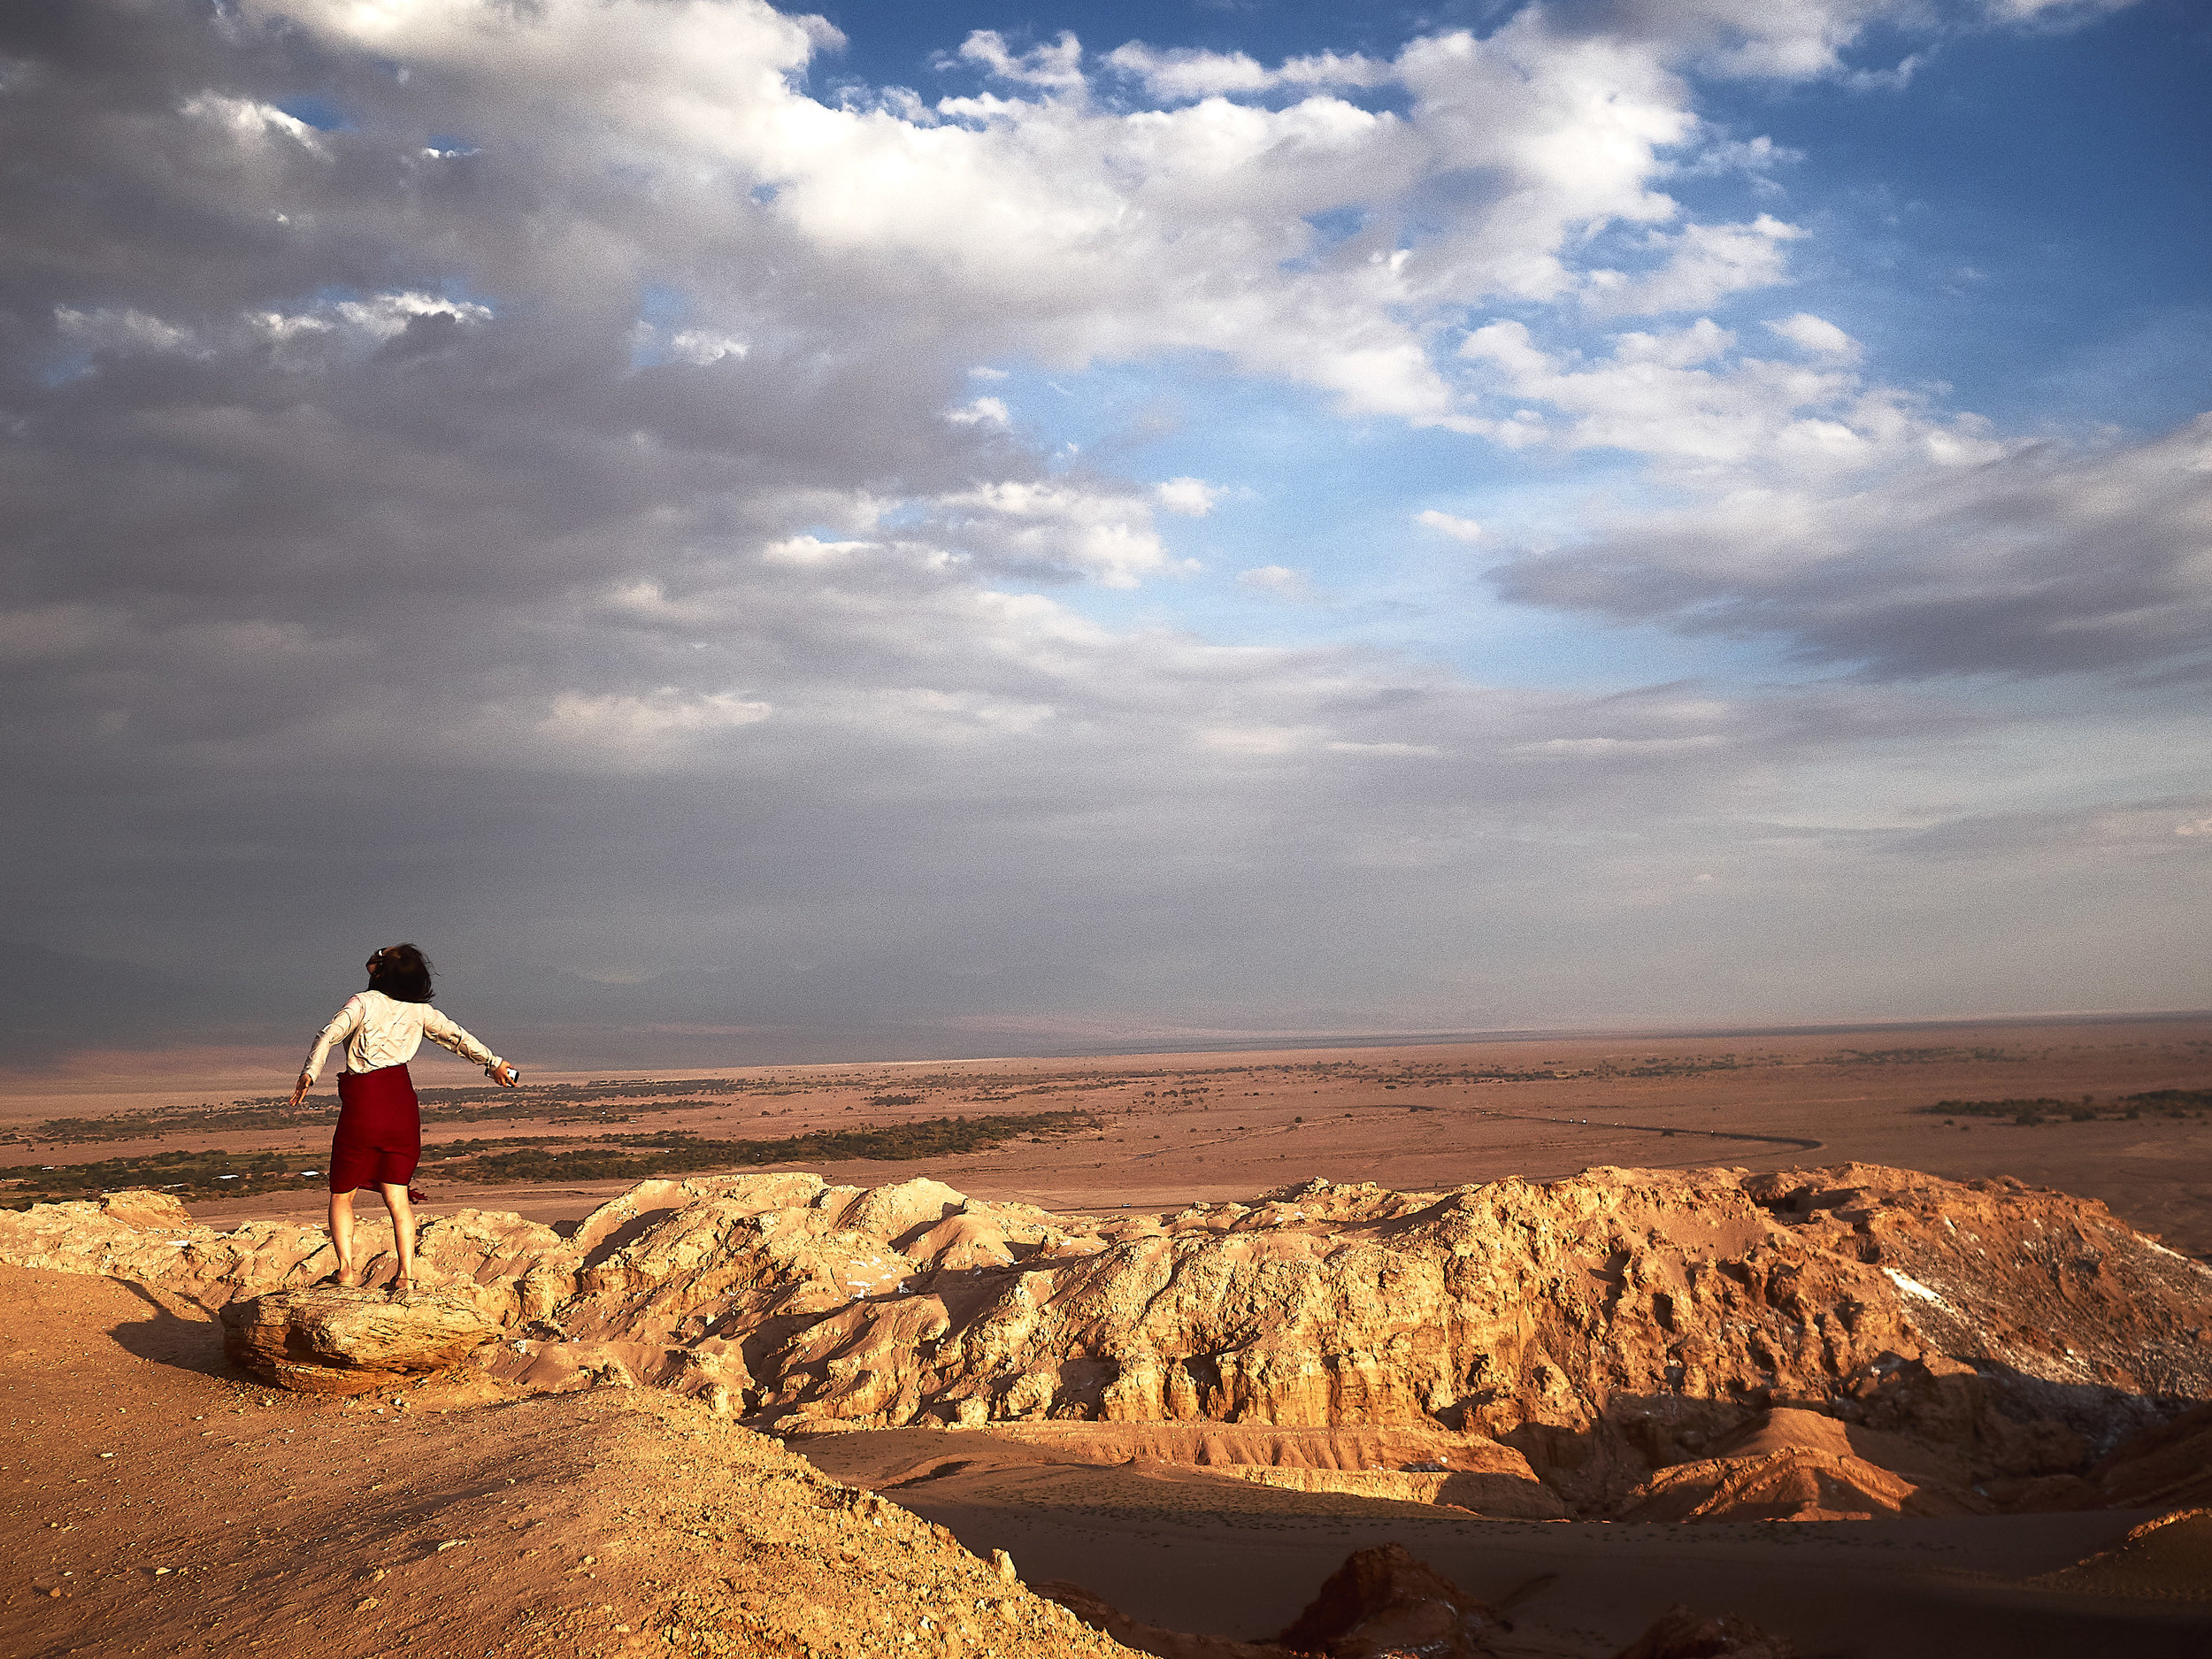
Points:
[(403, 1231), (341, 1236)]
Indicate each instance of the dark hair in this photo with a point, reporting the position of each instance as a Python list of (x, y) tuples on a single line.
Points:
[(402, 972)]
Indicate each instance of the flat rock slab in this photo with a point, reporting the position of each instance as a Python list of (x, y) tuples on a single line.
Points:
[(334, 1340)]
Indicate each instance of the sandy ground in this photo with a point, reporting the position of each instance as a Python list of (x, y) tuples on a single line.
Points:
[(1190, 1551), (177, 1511), (1180, 1128), (153, 1505)]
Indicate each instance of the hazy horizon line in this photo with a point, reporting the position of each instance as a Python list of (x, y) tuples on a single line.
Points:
[(56, 1080)]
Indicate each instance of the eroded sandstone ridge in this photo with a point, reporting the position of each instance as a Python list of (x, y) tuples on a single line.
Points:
[(1600, 1327)]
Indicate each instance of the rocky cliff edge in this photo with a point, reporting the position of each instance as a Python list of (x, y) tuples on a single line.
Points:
[(1598, 1327)]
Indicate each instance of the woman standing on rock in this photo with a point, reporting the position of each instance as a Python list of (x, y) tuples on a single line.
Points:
[(379, 1140)]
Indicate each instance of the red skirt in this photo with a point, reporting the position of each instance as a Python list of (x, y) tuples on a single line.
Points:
[(378, 1140)]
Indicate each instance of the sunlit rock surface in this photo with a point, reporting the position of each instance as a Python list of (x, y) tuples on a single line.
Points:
[(1590, 1331), (334, 1341)]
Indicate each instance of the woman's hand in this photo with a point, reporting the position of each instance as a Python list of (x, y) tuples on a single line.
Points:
[(506, 1076), (300, 1089)]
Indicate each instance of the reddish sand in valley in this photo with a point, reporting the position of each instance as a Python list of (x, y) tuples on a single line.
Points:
[(1181, 1548)]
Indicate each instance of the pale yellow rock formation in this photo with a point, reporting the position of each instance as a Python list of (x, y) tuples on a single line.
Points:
[(1602, 1325)]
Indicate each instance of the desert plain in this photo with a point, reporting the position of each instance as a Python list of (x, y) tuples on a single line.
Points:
[(162, 1501)]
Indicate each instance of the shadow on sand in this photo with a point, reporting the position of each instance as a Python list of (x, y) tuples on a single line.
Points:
[(175, 1333)]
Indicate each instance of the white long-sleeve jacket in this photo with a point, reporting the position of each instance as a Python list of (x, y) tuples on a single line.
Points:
[(380, 1031)]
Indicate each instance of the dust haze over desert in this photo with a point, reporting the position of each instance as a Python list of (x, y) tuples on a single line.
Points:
[(1310, 830)]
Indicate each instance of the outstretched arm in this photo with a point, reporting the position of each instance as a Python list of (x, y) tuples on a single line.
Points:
[(446, 1034), (346, 1022)]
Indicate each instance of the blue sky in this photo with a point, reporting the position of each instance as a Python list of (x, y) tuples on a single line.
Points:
[(2029, 215), (2021, 225), (1020, 527)]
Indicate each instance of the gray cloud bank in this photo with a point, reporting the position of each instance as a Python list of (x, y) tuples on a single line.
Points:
[(2036, 562), (517, 510)]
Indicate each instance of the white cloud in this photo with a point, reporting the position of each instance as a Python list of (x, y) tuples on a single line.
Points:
[(1690, 399), (2041, 10), (1449, 523), (1064, 228), (279, 327), (1896, 78), (702, 347), (1056, 65), (1704, 264), (1757, 157), (1053, 527), (247, 120), (1044, 222), (1816, 335), (387, 315), (1191, 497), (982, 412), (1793, 39), (1184, 73), (1181, 73)]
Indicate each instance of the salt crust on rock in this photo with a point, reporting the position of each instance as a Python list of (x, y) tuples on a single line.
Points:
[(1600, 1327)]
